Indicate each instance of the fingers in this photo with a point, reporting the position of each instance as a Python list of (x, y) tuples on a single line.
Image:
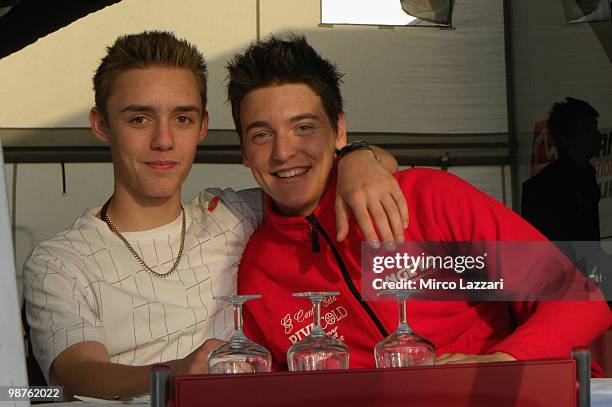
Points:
[(397, 209), (379, 216), (394, 218), (356, 200), (455, 358), (206, 348), (367, 227), (197, 361), (387, 219), (210, 344), (472, 359), (466, 360), (342, 221), (382, 215), (389, 212), (402, 205), (448, 358), (441, 360), (379, 206)]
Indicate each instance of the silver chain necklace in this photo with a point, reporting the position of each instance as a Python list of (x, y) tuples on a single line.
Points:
[(107, 220)]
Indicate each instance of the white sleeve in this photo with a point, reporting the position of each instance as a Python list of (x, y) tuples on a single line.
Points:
[(246, 204), (60, 310), (254, 198)]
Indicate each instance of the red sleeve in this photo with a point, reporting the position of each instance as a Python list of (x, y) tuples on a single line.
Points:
[(555, 328), (459, 212)]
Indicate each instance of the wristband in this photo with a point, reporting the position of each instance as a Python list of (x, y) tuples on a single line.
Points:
[(354, 146)]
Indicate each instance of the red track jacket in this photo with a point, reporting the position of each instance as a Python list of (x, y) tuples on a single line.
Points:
[(279, 260)]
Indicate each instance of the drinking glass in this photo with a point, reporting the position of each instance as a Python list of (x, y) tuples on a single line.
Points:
[(317, 351), (239, 354), (403, 347)]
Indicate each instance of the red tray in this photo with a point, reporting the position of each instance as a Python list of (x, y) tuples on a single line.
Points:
[(550, 382)]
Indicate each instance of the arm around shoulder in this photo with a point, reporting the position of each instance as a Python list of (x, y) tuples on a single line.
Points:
[(367, 186)]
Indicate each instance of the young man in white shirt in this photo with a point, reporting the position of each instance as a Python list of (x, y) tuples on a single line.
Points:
[(132, 283)]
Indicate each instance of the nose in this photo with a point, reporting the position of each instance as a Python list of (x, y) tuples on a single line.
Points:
[(283, 147), (163, 138)]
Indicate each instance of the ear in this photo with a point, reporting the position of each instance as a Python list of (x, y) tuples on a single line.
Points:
[(341, 136), (99, 125), (203, 127), (245, 159)]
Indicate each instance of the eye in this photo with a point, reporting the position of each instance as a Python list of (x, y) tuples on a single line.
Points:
[(184, 119), (138, 120), (260, 136), (305, 129)]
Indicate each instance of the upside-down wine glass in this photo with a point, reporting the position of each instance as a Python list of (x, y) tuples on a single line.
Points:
[(403, 347), (239, 354), (317, 351)]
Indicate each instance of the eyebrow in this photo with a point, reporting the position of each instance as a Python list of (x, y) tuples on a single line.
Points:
[(305, 116), (144, 108), (187, 108), (137, 108), (263, 123), (259, 123)]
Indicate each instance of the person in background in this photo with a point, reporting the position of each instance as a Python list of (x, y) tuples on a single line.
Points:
[(288, 111), (131, 283), (562, 200)]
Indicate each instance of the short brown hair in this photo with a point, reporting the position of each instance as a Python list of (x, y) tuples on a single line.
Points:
[(146, 49)]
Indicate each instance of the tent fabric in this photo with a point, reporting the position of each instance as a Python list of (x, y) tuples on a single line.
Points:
[(29, 20), (575, 9), (405, 80), (434, 11), (6, 6)]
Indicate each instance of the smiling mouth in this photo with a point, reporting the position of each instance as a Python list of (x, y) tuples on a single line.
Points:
[(293, 172)]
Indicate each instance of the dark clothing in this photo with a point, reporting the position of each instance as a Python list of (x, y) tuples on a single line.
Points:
[(562, 201)]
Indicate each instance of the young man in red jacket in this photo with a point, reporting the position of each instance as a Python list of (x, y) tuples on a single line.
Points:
[(287, 108)]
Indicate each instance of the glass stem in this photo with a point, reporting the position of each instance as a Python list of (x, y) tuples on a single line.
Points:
[(317, 331), (238, 317), (403, 322), (238, 335)]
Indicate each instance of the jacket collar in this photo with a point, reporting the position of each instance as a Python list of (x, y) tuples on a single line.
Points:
[(297, 227)]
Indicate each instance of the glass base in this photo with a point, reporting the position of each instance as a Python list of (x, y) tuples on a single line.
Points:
[(235, 365), (318, 354), (246, 358), (404, 350)]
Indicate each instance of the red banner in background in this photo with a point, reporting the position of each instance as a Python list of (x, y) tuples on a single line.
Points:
[(603, 164), (543, 150)]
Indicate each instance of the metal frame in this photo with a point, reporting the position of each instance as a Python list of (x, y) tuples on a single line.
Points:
[(78, 145), (512, 136)]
